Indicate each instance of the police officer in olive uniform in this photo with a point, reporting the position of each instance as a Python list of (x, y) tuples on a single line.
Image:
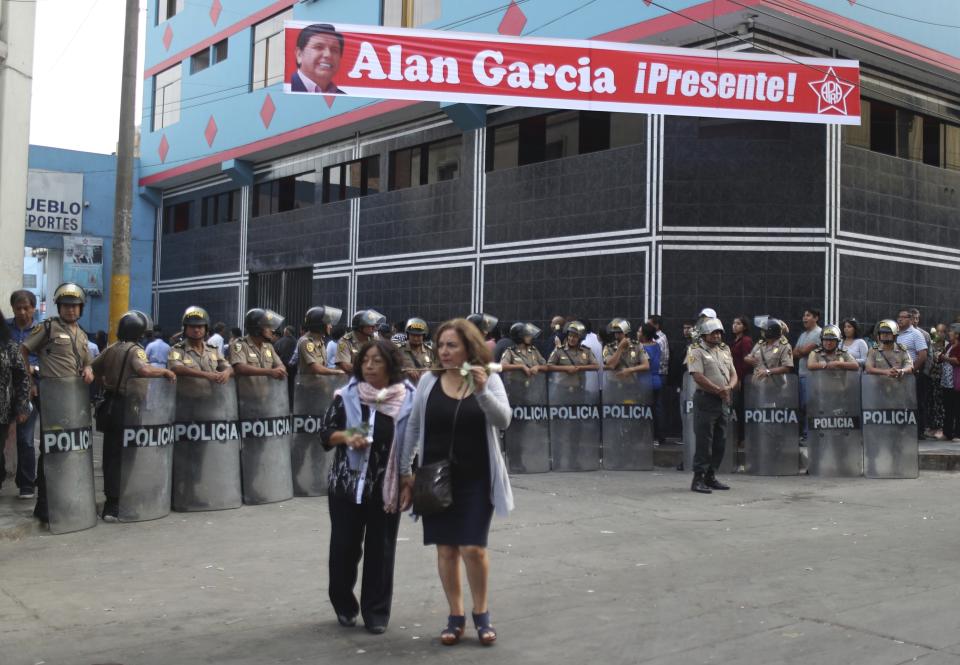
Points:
[(363, 325), (711, 366), (622, 354), (417, 356), (253, 354), (829, 355), (572, 358), (192, 356), (523, 356), (888, 357), (61, 345), (771, 355), (118, 363), (312, 347)]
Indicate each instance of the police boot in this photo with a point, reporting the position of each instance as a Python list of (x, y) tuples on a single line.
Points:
[(712, 482), (698, 485)]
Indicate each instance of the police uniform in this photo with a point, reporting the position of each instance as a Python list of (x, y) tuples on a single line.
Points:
[(571, 357), (208, 359), (244, 351), (419, 359), (347, 349), (821, 355), (898, 358), (771, 354), (710, 414), (520, 355), (311, 349), (632, 356)]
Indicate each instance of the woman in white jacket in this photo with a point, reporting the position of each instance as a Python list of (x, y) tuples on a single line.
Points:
[(459, 416)]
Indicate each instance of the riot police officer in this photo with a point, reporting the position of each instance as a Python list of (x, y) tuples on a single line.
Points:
[(888, 357), (711, 366), (118, 363), (192, 355), (311, 349), (363, 326), (417, 356), (622, 354), (523, 356), (61, 345), (485, 323), (573, 357), (253, 354), (772, 354), (829, 355)]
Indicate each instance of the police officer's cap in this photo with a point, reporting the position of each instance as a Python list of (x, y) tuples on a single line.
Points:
[(69, 293), (711, 324), (830, 332), (416, 326), (317, 318), (772, 329), (367, 317), (576, 328), (484, 322), (707, 313), (619, 325), (195, 316), (133, 325), (888, 326)]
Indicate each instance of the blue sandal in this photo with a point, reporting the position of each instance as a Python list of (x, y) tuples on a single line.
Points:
[(454, 630), (485, 632)]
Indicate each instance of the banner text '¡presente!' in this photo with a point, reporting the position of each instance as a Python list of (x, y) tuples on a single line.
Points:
[(652, 78)]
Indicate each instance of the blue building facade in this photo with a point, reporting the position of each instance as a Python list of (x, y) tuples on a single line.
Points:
[(286, 201), (99, 181)]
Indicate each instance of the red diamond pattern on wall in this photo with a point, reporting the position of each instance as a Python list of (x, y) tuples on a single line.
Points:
[(513, 20), (329, 99), (215, 10), (164, 148), (267, 109), (167, 37), (210, 133)]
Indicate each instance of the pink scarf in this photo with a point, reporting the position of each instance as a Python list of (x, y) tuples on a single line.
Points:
[(390, 406)]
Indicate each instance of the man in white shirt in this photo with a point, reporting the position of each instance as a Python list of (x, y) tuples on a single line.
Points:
[(216, 339), (916, 344)]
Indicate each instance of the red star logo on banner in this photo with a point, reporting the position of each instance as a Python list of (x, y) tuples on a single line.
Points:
[(831, 92)]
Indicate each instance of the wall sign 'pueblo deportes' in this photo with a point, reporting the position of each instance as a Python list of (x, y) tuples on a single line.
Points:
[(431, 65)]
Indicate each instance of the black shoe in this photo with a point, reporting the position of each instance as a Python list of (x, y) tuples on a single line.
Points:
[(698, 485), (345, 621), (714, 484), (40, 512), (111, 511), (376, 628)]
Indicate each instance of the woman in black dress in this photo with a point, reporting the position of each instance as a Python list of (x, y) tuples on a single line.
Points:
[(365, 424), (458, 415)]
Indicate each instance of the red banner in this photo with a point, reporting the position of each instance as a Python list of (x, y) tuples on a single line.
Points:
[(430, 65)]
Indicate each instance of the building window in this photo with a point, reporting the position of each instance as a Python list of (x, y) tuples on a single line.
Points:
[(208, 57), (351, 179), (166, 97), (425, 164), (167, 9), (282, 194), (901, 133), (951, 146), (410, 13), (558, 135), (268, 50), (220, 208), (176, 218)]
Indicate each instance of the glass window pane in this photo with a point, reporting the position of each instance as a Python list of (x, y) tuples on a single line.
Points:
[(400, 169), (373, 174), (199, 61), (506, 142), (416, 170), (443, 160), (304, 187), (354, 181), (425, 11), (562, 135), (259, 65), (951, 146), (234, 214), (627, 129), (859, 136), (331, 183), (883, 128), (393, 12), (171, 103), (275, 59), (909, 135), (931, 141), (220, 51)]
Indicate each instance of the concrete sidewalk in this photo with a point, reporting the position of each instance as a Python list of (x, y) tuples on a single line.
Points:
[(602, 567)]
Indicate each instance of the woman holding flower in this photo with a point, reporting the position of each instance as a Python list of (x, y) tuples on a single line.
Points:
[(365, 425), (457, 414)]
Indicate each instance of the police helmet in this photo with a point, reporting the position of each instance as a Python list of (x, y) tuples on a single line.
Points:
[(516, 331), (257, 319), (367, 317), (709, 325), (317, 318), (416, 326), (530, 330), (484, 322), (195, 316), (385, 330), (619, 325), (69, 293), (888, 326), (133, 325), (830, 332), (576, 328), (772, 329)]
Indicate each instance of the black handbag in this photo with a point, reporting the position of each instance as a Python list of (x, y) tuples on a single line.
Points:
[(109, 413), (433, 483)]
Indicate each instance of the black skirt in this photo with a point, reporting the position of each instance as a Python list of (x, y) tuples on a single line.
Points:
[(467, 521)]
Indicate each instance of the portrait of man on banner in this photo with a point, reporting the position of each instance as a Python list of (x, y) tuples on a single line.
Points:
[(318, 51)]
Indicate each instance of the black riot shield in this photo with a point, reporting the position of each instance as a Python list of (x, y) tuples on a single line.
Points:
[(312, 395), (574, 423), (771, 425), (528, 436), (65, 439), (890, 446), (146, 460), (265, 429), (835, 440), (627, 421), (206, 455)]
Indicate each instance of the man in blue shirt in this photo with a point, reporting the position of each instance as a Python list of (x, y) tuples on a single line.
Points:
[(24, 305), (158, 350), (912, 338)]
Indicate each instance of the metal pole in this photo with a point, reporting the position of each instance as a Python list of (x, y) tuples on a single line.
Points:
[(123, 201)]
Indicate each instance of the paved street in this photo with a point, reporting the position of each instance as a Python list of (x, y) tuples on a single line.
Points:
[(602, 567)]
